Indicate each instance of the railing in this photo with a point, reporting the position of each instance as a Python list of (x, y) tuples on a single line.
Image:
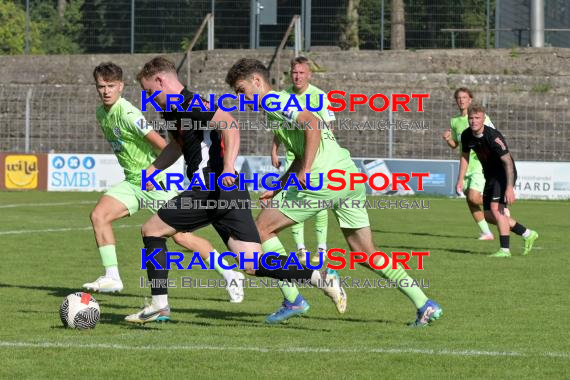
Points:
[(209, 20), (296, 24), (519, 31)]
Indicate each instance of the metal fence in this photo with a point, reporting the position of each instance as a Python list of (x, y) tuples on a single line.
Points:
[(62, 120), (160, 26)]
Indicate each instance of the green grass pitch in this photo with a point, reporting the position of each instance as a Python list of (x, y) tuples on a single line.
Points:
[(503, 318)]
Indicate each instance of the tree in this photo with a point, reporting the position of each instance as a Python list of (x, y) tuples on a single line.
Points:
[(60, 27), (13, 30), (398, 40), (349, 26)]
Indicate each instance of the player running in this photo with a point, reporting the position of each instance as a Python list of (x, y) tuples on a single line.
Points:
[(500, 176), (205, 151), (315, 151), (300, 76), (134, 144), (471, 181)]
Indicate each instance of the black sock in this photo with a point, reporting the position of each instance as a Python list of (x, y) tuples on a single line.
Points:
[(292, 273), (504, 239), (518, 229), (151, 243)]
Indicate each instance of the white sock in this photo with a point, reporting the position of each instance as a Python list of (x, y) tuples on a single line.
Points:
[(526, 233), (228, 275), (322, 246), (300, 247), (113, 272), (160, 301)]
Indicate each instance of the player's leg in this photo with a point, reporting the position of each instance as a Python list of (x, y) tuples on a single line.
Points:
[(154, 233), (269, 223), (360, 240), (355, 225), (298, 232), (194, 243), (474, 186), (321, 229), (118, 202)]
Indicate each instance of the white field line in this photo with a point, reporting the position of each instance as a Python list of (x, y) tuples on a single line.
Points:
[(47, 204), (463, 353), (18, 232)]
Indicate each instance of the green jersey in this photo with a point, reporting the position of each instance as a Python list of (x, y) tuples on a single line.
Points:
[(329, 154), (124, 128), (460, 123)]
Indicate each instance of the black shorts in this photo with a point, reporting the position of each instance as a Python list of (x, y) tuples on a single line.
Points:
[(494, 192), (193, 211)]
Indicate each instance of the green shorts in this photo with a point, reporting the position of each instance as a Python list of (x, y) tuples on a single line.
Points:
[(347, 205), (474, 181), (130, 195)]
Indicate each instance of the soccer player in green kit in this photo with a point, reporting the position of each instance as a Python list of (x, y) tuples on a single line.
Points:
[(300, 76), (135, 146), (316, 151), (471, 180)]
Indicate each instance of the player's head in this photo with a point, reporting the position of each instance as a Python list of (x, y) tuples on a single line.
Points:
[(109, 83), (249, 76), (476, 117), (463, 97), (300, 73), (159, 74)]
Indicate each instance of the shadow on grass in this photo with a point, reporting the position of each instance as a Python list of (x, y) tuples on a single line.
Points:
[(430, 234)]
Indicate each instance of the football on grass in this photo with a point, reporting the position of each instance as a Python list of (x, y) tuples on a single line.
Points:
[(79, 311)]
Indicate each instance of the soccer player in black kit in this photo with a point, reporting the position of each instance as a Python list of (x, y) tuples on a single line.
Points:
[(205, 151), (500, 176)]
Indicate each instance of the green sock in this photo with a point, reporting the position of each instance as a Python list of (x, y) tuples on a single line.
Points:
[(298, 231), (108, 255), (217, 266), (414, 293), (321, 226), (484, 227), (274, 245)]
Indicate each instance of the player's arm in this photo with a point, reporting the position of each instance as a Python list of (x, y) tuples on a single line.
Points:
[(275, 153), (507, 161), (499, 146), (450, 139), (293, 168), (168, 156), (156, 140), (463, 164), (231, 139), (312, 141)]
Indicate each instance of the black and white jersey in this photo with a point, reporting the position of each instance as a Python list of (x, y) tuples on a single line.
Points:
[(489, 147), (203, 149)]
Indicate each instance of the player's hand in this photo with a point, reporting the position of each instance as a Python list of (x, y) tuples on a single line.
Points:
[(229, 181), (459, 187), (267, 195), (149, 186), (510, 195), (447, 135), (301, 176), (275, 161)]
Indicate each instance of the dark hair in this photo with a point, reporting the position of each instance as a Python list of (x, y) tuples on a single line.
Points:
[(108, 71), (463, 89), (300, 60), (244, 69), (155, 66), (475, 108)]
